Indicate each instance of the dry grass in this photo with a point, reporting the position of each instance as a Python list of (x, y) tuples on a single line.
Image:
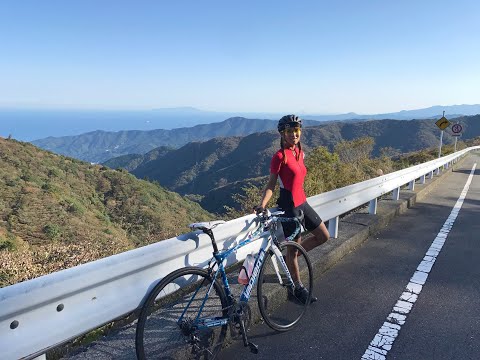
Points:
[(57, 212)]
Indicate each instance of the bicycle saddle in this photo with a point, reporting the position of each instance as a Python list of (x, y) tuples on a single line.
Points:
[(205, 226)]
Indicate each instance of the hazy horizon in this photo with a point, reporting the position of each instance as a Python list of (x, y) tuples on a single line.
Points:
[(34, 124)]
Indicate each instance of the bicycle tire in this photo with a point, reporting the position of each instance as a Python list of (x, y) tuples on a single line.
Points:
[(159, 334), (278, 307)]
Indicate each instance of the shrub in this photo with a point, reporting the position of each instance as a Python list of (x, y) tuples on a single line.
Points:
[(103, 185), (27, 176), (11, 182), (6, 244), (53, 231), (54, 172), (9, 241), (75, 207), (48, 186)]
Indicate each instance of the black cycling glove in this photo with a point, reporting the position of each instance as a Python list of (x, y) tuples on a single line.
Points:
[(258, 209)]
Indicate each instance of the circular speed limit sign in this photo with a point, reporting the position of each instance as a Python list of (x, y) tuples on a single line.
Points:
[(457, 128)]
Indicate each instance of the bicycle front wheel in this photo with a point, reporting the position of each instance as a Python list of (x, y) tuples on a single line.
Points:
[(278, 305), (172, 320)]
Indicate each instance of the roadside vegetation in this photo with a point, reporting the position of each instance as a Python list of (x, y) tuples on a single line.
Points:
[(57, 212), (349, 162)]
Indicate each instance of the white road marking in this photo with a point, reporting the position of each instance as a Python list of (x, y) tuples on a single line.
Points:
[(384, 339)]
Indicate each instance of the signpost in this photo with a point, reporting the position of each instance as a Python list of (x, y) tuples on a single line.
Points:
[(442, 123), (457, 131)]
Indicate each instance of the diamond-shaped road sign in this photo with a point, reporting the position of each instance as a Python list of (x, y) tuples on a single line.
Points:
[(442, 123)]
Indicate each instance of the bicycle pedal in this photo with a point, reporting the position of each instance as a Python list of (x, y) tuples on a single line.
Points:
[(253, 348)]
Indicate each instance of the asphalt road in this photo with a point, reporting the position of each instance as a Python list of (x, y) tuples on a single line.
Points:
[(357, 295)]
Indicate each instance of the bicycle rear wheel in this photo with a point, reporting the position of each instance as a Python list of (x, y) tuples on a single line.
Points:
[(168, 327), (280, 309)]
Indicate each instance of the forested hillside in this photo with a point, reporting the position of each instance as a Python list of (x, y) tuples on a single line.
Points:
[(57, 212), (99, 146), (213, 170), (348, 163)]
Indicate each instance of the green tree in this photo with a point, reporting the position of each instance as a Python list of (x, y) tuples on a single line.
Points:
[(350, 163), (323, 171)]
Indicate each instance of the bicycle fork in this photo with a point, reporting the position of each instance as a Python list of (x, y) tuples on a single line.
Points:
[(279, 258), (276, 259)]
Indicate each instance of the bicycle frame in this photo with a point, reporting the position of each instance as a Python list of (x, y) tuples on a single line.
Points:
[(220, 257), (219, 260)]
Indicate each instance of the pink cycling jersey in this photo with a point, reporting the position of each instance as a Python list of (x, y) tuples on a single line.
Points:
[(290, 175)]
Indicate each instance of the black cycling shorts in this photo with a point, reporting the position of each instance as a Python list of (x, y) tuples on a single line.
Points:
[(310, 221)]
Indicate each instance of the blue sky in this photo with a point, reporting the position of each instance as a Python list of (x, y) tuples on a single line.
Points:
[(270, 56)]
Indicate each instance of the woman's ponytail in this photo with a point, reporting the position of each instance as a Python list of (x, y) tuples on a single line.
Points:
[(284, 161)]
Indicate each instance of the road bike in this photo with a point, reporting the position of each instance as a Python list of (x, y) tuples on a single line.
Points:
[(187, 314)]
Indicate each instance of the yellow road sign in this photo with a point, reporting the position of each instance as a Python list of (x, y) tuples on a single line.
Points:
[(442, 123)]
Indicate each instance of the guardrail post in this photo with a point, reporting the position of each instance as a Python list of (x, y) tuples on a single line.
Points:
[(333, 227), (422, 179), (372, 207), (437, 171), (411, 185), (430, 175), (396, 194)]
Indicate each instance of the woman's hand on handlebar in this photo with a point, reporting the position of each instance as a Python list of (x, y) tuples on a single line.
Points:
[(259, 209)]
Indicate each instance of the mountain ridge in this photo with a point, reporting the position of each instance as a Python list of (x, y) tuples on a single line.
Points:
[(199, 168), (30, 124), (99, 146)]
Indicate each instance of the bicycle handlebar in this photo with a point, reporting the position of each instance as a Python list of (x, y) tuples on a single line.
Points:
[(267, 218)]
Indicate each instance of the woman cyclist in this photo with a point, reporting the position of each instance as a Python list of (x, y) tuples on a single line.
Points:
[(287, 166)]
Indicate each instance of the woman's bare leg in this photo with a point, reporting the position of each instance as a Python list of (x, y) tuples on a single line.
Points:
[(320, 236), (292, 261)]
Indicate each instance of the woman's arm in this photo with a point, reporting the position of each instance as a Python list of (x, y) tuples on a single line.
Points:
[(268, 191)]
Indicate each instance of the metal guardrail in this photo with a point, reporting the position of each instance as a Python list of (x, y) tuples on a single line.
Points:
[(42, 313), (332, 204)]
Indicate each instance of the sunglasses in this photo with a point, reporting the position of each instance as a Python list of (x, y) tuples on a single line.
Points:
[(290, 131)]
